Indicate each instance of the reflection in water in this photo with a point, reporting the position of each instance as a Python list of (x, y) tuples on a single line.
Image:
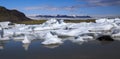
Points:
[(78, 42), (26, 46), (2, 44), (105, 42), (94, 49), (105, 38), (52, 46)]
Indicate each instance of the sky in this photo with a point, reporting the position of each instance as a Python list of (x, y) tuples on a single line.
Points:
[(65, 7)]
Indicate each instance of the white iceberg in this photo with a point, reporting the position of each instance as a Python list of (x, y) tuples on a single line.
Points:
[(26, 39), (51, 39)]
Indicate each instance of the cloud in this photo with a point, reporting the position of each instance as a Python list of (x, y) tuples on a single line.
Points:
[(105, 2), (94, 3), (88, 3), (52, 8)]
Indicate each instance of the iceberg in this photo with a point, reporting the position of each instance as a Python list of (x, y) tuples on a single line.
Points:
[(26, 39), (52, 30), (51, 39), (51, 24)]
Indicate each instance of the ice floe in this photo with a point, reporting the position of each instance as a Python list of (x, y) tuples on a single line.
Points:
[(51, 39), (51, 31)]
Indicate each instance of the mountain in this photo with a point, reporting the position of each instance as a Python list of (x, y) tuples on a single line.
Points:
[(11, 15), (62, 16)]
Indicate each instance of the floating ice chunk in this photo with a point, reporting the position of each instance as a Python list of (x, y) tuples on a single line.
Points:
[(72, 32), (117, 19), (87, 38), (105, 20), (51, 24), (4, 39), (101, 20), (110, 20), (23, 28), (81, 39), (115, 31), (1, 32), (84, 38), (5, 24), (77, 40), (51, 39), (116, 36), (2, 36), (26, 40), (104, 28), (115, 25)]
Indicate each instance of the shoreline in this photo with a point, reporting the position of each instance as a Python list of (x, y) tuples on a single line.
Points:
[(42, 21)]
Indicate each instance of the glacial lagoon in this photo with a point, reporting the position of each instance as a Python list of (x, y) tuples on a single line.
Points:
[(94, 49), (43, 41)]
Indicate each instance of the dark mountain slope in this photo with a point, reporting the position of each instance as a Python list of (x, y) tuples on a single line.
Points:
[(11, 15)]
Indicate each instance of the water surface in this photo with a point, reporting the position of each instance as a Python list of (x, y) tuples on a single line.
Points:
[(68, 50)]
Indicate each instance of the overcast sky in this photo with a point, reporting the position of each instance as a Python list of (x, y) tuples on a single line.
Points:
[(67, 7)]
